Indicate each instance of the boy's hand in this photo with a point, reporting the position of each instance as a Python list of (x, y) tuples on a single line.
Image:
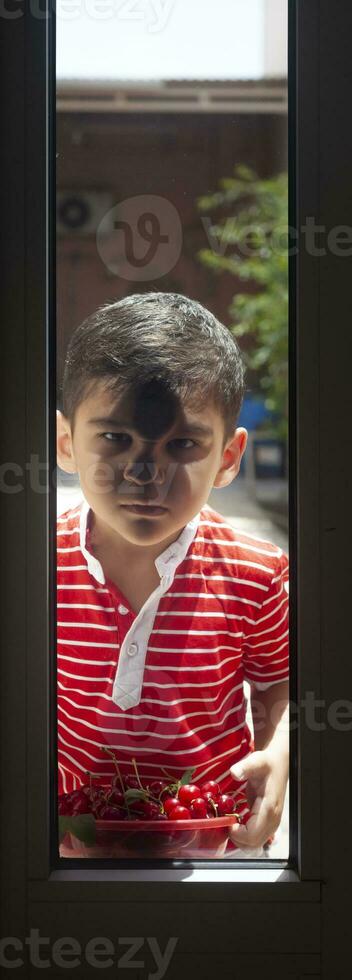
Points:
[(267, 775)]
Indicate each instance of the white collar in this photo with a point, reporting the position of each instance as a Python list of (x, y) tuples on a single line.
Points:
[(166, 562)]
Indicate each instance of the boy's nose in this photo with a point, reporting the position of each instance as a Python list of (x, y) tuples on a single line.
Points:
[(145, 471)]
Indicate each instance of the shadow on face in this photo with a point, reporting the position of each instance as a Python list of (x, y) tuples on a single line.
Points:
[(152, 407)]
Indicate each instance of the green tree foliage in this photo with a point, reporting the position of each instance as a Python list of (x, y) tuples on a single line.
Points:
[(250, 241)]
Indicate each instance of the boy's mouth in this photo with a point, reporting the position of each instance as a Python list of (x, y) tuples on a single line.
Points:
[(145, 510)]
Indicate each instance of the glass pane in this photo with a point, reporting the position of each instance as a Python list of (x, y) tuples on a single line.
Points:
[(172, 501)]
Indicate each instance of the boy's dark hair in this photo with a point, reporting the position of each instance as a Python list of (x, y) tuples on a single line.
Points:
[(153, 335)]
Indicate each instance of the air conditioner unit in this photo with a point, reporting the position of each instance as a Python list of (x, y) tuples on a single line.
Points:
[(80, 212)]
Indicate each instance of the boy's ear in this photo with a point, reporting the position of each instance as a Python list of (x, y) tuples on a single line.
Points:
[(64, 449), (231, 459)]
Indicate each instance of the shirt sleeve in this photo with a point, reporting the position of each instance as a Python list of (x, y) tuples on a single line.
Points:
[(266, 643)]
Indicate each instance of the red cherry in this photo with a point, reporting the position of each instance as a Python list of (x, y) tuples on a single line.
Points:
[(131, 782), (116, 798), (170, 803), (97, 793), (145, 809), (179, 813), (212, 788), (77, 794), (81, 805), (225, 805), (151, 810), (111, 813), (166, 794), (198, 808), (97, 807), (64, 806), (188, 793), (161, 816), (157, 787), (137, 807), (208, 796)]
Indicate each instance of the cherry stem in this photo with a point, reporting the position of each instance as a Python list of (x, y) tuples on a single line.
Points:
[(137, 777), (90, 774), (87, 773), (113, 756), (154, 799), (166, 773), (105, 791)]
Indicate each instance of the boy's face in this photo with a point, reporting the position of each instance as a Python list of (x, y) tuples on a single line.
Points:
[(146, 461)]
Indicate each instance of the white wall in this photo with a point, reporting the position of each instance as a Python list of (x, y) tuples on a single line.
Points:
[(154, 39), (275, 38)]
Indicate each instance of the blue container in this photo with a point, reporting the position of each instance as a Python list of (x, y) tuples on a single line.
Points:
[(253, 413), (269, 458)]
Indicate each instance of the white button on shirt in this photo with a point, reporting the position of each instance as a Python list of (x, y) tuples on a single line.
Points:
[(132, 649), (128, 682)]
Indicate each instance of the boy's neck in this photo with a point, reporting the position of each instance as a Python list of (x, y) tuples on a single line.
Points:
[(106, 541)]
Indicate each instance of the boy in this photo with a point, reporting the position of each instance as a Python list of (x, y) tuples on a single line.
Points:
[(163, 607)]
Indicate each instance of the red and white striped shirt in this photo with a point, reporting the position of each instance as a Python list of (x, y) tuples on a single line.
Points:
[(166, 686)]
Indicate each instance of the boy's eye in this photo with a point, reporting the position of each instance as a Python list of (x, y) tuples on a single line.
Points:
[(122, 438), (180, 443), (115, 436)]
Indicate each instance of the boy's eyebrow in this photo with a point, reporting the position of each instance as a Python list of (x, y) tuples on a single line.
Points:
[(196, 427)]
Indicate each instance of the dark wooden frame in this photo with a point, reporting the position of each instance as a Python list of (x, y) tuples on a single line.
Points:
[(289, 927)]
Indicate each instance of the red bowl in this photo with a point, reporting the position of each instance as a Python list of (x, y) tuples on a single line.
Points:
[(205, 838)]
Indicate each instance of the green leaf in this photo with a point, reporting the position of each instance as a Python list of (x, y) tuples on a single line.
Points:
[(187, 776), (82, 827), (246, 173), (135, 794), (173, 787)]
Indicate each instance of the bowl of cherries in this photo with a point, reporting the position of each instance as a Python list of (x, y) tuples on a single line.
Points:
[(165, 818)]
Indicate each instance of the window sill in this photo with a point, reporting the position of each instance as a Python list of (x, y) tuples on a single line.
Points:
[(169, 884), (193, 875)]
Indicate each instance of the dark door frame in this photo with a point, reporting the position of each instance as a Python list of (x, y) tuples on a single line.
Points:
[(307, 918)]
